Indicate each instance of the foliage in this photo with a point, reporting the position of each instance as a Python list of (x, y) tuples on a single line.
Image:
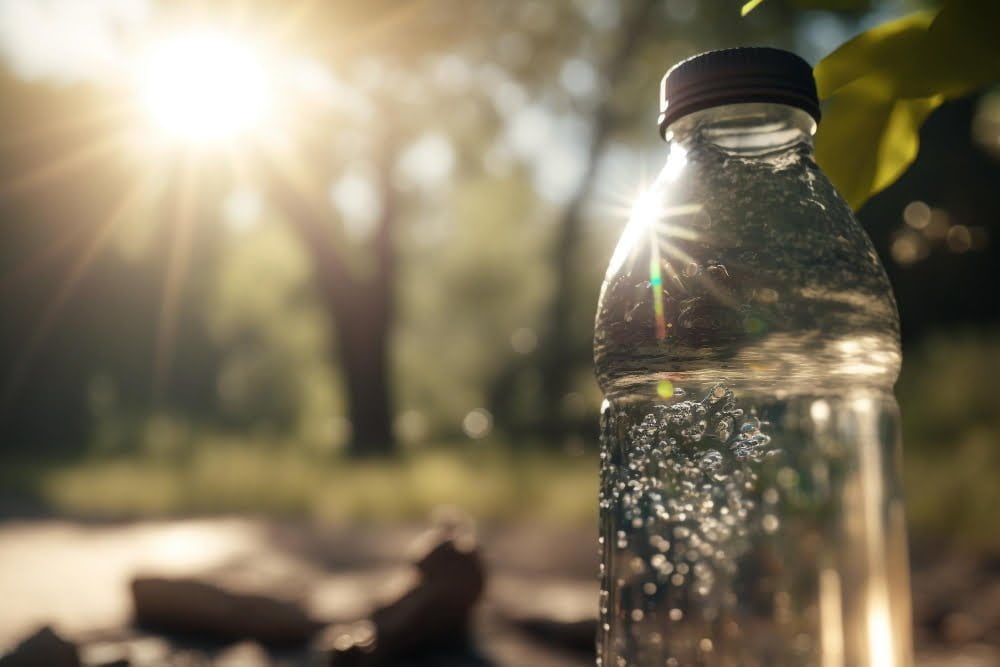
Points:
[(837, 5), (879, 87)]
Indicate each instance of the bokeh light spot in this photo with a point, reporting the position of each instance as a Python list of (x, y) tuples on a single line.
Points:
[(664, 388), (959, 239), (524, 340), (478, 423), (917, 214), (908, 248), (755, 326)]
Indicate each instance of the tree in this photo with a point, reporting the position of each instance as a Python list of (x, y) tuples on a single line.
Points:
[(393, 41), (360, 308)]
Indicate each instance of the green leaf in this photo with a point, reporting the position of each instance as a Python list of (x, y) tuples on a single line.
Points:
[(900, 140), (867, 139), (880, 86), (832, 5), (964, 47), (890, 51)]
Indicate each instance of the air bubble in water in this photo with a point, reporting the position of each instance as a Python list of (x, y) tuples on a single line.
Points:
[(711, 461)]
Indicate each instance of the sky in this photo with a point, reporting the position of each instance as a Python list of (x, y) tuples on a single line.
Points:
[(70, 40)]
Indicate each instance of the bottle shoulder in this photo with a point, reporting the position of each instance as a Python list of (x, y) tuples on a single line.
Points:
[(755, 263)]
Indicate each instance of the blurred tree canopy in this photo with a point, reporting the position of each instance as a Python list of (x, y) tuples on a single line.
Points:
[(420, 257)]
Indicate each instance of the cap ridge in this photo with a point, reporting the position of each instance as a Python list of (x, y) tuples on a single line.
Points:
[(736, 75)]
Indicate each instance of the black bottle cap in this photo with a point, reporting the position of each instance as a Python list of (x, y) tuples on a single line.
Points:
[(732, 76)]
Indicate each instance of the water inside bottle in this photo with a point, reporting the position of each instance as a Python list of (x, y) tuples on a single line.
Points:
[(746, 528)]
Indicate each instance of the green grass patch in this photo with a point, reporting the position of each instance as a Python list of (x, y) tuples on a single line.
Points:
[(226, 475)]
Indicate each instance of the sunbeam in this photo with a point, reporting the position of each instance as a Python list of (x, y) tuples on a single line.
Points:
[(285, 27), (33, 263), (176, 275), (289, 178), (362, 36), (76, 160), (110, 114), (65, 291)]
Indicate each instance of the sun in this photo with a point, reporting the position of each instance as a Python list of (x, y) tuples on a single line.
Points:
[(205, 86)]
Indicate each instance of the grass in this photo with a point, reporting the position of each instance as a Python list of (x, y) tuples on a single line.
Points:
[(952, 491), (220, 475)]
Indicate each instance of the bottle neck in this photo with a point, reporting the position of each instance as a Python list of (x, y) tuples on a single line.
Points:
[(745, 130)]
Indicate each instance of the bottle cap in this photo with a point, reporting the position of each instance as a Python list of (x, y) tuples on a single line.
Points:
[(732, 76)]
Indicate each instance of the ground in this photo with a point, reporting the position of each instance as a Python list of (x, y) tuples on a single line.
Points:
[(75, 576)]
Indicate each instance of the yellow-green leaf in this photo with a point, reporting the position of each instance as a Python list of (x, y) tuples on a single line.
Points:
[(868, 137), (891, 51), (964, 47), (951, 52), (880, 86), (853, 121), (901, 139), (832, 5), (749, 7)]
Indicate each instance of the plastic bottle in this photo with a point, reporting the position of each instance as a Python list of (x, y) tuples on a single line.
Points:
[(747, 343)]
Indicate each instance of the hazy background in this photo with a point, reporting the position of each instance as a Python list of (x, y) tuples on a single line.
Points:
[(379, 297)]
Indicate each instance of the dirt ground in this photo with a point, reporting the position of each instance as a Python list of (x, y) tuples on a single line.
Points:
[(74, 576)]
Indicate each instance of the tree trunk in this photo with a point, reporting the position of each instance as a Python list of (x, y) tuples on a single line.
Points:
[(360, 310), (361, 346), (363, 317)]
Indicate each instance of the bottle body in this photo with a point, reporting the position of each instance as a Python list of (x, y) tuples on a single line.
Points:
[(747, 342)]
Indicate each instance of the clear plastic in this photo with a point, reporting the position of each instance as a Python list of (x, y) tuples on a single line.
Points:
[(747, 342)]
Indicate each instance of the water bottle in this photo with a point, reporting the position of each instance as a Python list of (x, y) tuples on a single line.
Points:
[(747, 343)]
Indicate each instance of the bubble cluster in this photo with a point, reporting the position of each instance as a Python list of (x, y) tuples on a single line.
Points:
[(688, 465), (680, 480)]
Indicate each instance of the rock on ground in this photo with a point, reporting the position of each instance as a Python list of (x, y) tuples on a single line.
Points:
[(211, 610), (431, 617), (44, 648)]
